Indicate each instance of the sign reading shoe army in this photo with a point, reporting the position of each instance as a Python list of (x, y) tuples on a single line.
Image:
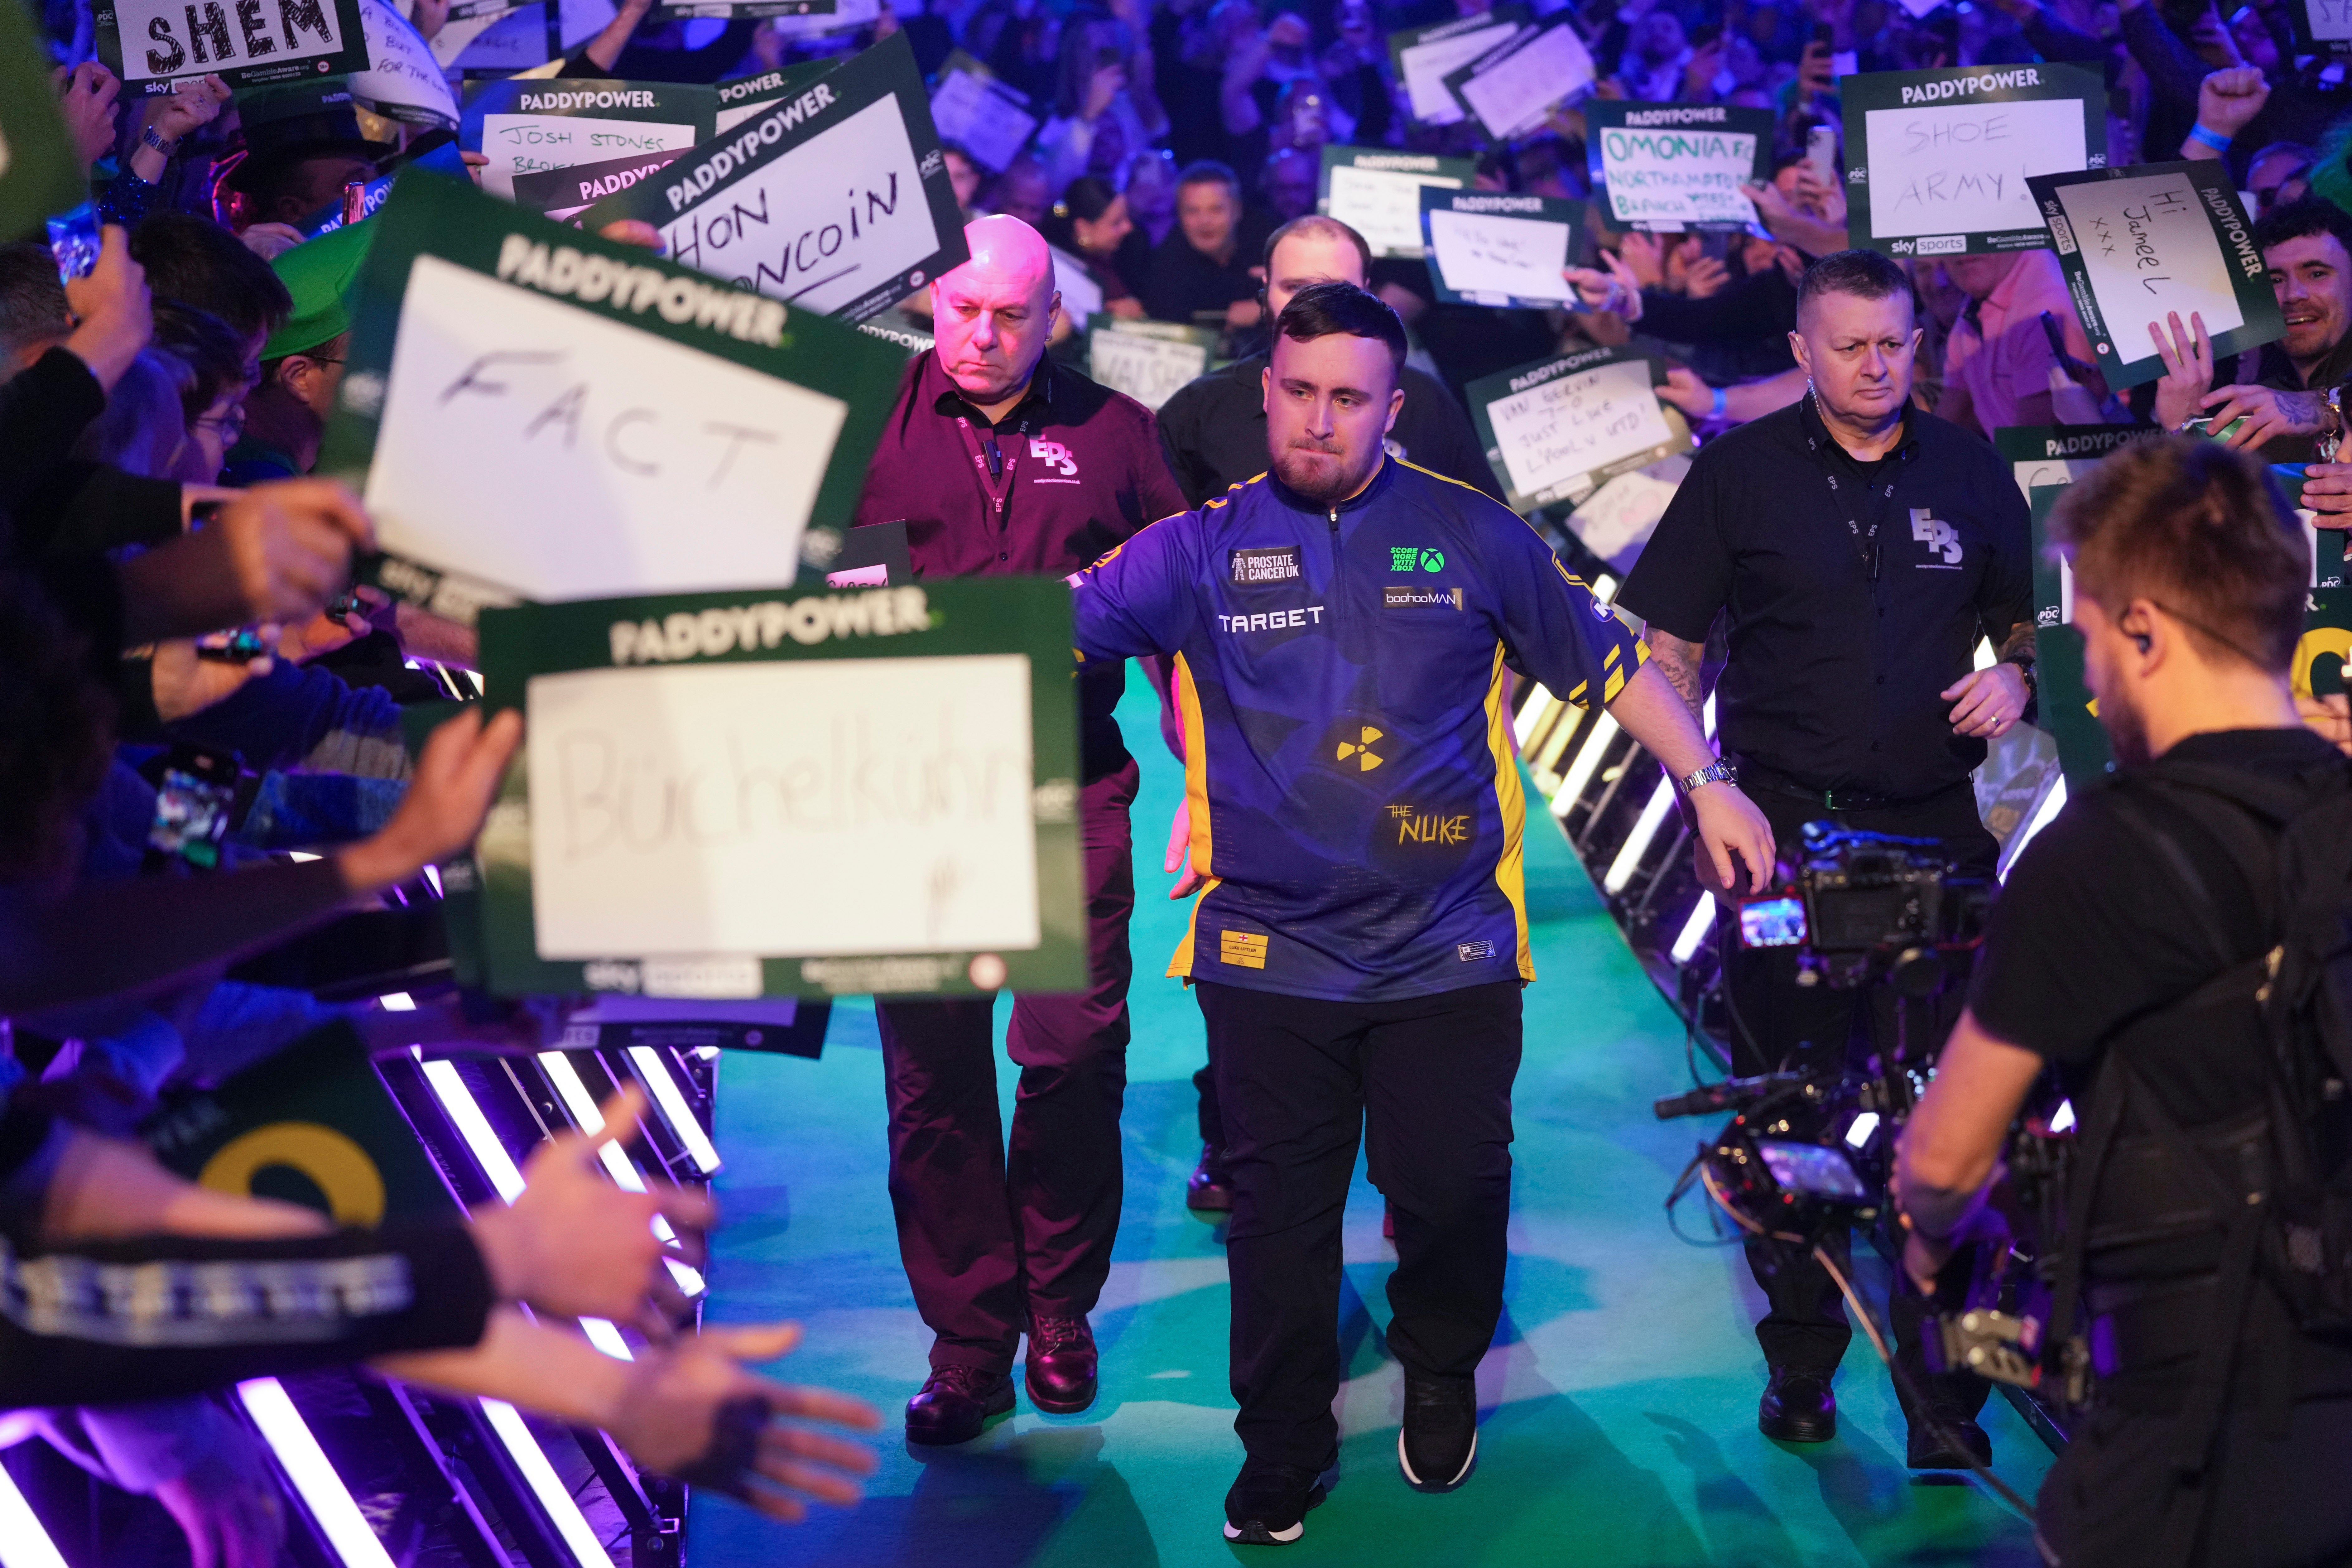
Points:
[(247, 43)]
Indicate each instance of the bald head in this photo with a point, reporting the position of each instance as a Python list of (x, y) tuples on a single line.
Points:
[(993, 313)]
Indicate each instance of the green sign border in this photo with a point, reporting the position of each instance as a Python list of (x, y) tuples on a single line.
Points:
[(888, 70), (2248, 279), (1602, 116), (1551, 209), (1027, 615), (1388, 161), (42, 176), (1492, 388), (1857, 95), (1404, 38), (433, 214)]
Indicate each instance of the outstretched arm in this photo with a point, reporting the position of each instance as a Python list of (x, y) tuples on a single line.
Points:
[(1655, 713)]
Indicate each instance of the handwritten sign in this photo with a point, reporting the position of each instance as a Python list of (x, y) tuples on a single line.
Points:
[(2142, 243), (1558, 429), (1377, 193), (846, 15), (837, 199), (403, 80), (2322, 26), (1148, 361), (748, 9), (1489, 249), (40, 173), (980, 114), (2062, 454), (528, 126), (1426, 56), (247, 43), (1675, 166), (788, 793), (1513, 87), (534, 413), (1941, 166)]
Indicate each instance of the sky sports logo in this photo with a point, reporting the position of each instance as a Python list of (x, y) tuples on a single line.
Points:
[(1405, 598), (1942, 244)]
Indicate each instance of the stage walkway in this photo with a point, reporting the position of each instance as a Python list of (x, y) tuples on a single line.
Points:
[(1620, 1394)]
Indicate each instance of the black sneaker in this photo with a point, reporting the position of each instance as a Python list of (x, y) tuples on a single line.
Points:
[(1267, 1505), (1439, 1440)]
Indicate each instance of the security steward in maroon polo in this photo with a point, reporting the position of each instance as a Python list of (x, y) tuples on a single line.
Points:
[(1003, 463)]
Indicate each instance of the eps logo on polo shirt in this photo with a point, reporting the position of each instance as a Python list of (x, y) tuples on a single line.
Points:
[(1940, 538)]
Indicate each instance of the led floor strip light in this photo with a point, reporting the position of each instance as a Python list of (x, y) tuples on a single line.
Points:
[(1579, 771), (23, 1542), (674, 1109), (323, 1492), (1695, 930), (546, 1485)]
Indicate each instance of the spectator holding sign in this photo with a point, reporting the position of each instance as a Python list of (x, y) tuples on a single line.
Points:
[(302, 147), (2290, 404), (1004, 462)]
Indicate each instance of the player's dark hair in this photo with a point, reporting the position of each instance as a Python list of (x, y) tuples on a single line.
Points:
[(1324, 309), (1314, 226), (2202, 530), (2303, 218), (1209, 172), (1865, 274)]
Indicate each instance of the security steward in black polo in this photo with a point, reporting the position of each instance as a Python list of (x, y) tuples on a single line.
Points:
[(1860, 549)]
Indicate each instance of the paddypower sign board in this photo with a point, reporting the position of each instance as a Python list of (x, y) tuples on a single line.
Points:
[(2144, 243), (1937, 161), (246, 43), (821, 793), (1560, 428), (837, 199), (1669, 167), (533, 413), (529, 125)]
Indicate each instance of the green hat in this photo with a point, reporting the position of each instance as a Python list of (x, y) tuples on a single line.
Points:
[(319, 273)]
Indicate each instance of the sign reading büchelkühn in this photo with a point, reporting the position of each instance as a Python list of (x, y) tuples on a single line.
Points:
[(246, 43), (2142, 244), (837, 199), (816, 793), (1937, 161), (535, 413)]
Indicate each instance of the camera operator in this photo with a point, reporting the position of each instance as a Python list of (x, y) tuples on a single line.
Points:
[(2117, 958), (1860, 548)]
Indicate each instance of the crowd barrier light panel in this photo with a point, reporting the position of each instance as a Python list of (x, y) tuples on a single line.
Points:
[(1539, 702), (323, 1492), (546, 1485), (2052, 805), (566, 1079), (1579, 771), (1695, 930), (397, 1002), (1645, 828), (23, 1542), (674, 1107)]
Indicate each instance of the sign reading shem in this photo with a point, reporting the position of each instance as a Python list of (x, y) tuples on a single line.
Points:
[(528, 409), (837, 199), (694, 764), (1670, 167), (2140, 244), (1941, 166), (247, 43), (1557, 429)]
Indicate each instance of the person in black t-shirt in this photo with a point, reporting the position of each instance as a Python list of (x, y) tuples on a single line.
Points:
[(2189, 575), (1860, 550)]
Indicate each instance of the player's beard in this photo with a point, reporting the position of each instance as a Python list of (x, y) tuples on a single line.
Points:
[(1324, 482), (2127, 728)]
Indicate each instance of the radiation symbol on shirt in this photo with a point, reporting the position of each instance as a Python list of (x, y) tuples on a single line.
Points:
[(1360, 750)]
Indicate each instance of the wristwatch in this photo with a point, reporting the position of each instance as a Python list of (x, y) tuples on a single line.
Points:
[(164, 145), (2024, 662), (1716, 771), (2331, 434)]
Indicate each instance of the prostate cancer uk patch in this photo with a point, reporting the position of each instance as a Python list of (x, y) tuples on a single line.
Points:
[(1253, 566)]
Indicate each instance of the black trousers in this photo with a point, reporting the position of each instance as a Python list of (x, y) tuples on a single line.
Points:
[(1428, 1082), (1778, 1024), (986, 1238)]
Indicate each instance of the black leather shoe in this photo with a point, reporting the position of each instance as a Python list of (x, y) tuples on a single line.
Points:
[(1211, 1190), (1267, 1505), (1798, 1407), (1062, 1363), (1439, 1441), (956, 1405), (1949, 1444)]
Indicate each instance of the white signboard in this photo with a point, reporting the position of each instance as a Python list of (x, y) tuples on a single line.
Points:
[(2149, 251), (833, 807), (531, 143), (1960, 168), (1147, 369), (1426, 66), (1675, 175), (1512, 97), (1482, 253), (403, 80), (986, 118), (590, 444), (1384, 206), (248, 42), (1552, 434)]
